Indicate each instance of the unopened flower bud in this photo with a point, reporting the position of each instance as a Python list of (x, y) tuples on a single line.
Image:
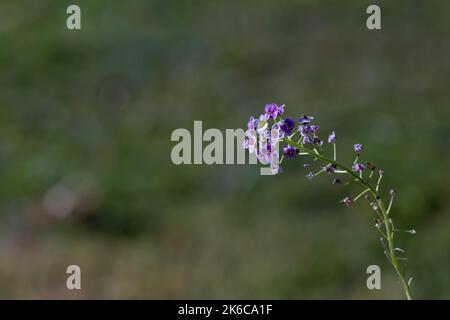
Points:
[(370, 166), (347, 201)]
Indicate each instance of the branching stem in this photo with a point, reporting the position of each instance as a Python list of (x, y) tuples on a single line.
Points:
[(389, 230)]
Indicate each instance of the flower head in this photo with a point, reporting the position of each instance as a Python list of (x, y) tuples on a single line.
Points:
[(251, 124), (306, 139), (273, 110), (358, 167), (250, 141), (332, 137), (358, 148), (307, 129), (288, 126), (305, 119), (290, 152)]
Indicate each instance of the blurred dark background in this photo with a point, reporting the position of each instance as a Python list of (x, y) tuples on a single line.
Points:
[(85, 171)]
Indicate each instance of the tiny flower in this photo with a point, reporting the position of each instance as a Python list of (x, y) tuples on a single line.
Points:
[(288, 126), (358, 148), (250, 141), (306, 139), (332, 137), (306, 165), (330, 168), (290, 152), (280, 110), (374, 206), (412, 231), (381, 172), (268, 153), (271, 110), (347, 201), (337, 181), (275, 167), (305, 119), (310, 176), (370, 166), (392, 192), (307, 129), (251, 124), (317, 141), (358, 167)]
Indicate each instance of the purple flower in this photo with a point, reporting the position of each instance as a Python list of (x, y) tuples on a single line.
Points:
[(332, 137), (307, 129), (288, 126), (290, 152), (358, 167), (358, 148), (306, 165), (306, 139), (317, 141), (250, 141), (381, 172), (251, 124), (273, 110), (275, 168), (305, 119)]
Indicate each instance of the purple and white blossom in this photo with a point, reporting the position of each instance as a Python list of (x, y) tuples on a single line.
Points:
[(273, 111), (288, 126), (290, 152), (332, 137), (358, 167)]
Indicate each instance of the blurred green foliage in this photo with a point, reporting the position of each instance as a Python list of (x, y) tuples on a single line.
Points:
[(85, 170)]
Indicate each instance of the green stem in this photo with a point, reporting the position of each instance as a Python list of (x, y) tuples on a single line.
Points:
[(386, 221)]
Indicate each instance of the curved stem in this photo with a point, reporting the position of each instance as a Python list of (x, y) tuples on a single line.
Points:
[(386, 221)]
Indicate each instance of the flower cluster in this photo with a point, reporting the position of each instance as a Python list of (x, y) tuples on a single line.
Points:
[(264, 136)]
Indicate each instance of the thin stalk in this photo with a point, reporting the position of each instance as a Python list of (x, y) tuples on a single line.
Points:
[(388, 227), (334, 151)]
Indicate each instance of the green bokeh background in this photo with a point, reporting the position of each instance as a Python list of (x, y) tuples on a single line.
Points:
[(86, 176)]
